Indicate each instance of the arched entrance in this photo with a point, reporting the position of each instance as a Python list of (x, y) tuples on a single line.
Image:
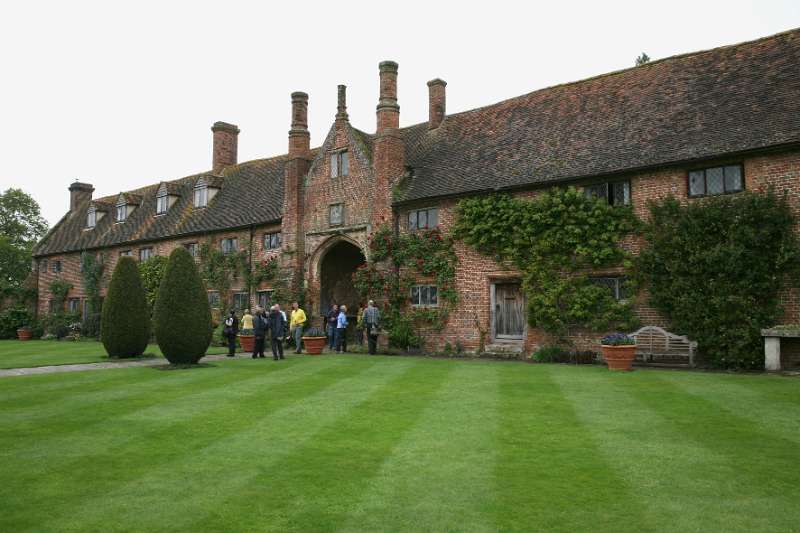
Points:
[(336, 276)]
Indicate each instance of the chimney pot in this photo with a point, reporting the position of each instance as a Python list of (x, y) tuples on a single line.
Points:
[(79, 193), (226, 138), (388, 110), (299, 138), (437, 102)]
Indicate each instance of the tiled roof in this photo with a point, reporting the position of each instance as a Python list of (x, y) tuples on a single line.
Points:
[(250, 193), (694, 106)]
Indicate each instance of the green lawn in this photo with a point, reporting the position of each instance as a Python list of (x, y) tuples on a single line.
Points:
[(18, 354), (361, 443)]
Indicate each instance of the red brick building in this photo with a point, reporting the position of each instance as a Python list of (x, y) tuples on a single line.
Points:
[(711, 122)]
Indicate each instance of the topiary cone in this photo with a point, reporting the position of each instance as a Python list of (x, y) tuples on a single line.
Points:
[(182, 315), (125, 322)]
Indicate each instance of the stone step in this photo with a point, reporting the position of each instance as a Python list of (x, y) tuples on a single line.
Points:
[(503, 348)]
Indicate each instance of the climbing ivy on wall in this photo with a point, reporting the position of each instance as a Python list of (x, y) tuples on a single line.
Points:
[(715, 268), (396, 263), (556, 240), (92, 268)]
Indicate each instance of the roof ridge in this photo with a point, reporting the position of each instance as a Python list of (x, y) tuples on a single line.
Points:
[(617, 72)]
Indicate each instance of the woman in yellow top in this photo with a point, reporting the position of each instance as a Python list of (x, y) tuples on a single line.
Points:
[(247, 321), (296, 323)]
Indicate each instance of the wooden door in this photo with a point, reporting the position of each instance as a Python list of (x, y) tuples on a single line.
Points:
[(509, 311)]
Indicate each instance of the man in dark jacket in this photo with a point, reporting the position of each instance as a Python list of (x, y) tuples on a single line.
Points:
[(259, 332), (372, 320), (331, 319), (230, 330), (277, 327)]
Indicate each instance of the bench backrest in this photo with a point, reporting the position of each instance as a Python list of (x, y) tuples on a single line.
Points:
[(654, 344)]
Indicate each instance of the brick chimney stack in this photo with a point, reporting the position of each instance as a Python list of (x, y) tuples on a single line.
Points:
[(79, 193), (388, 148), (297, 165), (388, 110), (341, 108), (299, 138), (437, 103), (226, 139)]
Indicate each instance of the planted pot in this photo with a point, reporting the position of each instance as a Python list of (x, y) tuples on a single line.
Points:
[(314, 345), (248, 342), (24, 334), (619, 351)]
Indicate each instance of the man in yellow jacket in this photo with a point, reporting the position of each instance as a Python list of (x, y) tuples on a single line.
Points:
[(296, 323)]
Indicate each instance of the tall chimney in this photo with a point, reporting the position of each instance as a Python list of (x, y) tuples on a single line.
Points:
[(299, 138), (226, 138), (388, 110), (437, 103), (341, 108), (79, 193)]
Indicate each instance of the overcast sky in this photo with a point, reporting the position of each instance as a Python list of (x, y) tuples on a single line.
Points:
[(122, 94)]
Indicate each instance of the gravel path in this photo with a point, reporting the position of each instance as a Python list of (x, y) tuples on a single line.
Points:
[(55, 369)]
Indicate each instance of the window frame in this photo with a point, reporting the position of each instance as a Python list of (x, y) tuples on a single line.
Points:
[(91, 217), (234, 241), (56, 266), (618, 291), (241, 294), (340, 163), (76, 301), (202, 190), (216, 298), (269, 293), (126, 253), (192, 248), (415, 214), (162, 197), (419, 289), (341, 214), (121, 208), (704, 170), (150, 252), (609, 192), (268, 240)]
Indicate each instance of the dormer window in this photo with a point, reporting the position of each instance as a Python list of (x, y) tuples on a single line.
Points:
[(125, 205), (122, 213), (200, 194), (162, 202), (340, 164), (91, 217)]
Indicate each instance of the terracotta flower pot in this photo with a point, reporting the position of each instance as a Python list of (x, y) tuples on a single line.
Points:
[(24, 334), (314, 345), (248, 342), (619, 357)]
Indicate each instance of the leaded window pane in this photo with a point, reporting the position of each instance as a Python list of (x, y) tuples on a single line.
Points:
[(422, 219), (121, 213), (345, 163), (433, 218), (334, 166), (697, 185), (715, 180), (599, 190), (161, 204), (733, 178), (412, 220), (621, 193), (415, 295), (433, 296)]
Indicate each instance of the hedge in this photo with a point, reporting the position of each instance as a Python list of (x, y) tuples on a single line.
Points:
[(125, 323), (182, 316)]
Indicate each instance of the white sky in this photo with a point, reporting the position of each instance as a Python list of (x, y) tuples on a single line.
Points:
[(122, 94)]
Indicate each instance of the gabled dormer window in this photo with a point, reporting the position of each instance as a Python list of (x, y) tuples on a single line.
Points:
[(340, 164), (122, 213), (201, 193), (162, 201), (91, 217)]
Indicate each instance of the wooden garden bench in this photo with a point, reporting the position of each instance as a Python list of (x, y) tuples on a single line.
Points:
[(658, 347)]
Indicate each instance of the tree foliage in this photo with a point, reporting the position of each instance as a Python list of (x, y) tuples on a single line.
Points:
[(642, 59), (152, 273), (92, 268), (182, 315), (715, 269), (21, 225), (125, 324), (556, 240)]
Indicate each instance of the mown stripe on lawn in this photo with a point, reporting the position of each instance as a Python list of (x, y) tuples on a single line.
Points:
[(686, 459), (175, 494), (127, 449), (550, 475), (312, 487), (440, 476)]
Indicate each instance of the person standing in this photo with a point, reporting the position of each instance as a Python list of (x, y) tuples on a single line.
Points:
[(372, 320), (341, 330), (230, 330), (247, 321), (360, 325), (332, 317), (259, 332), (298, 321), (277, 327)]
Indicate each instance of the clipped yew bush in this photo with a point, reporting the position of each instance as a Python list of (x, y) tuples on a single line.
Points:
[(125, 324), (182, 316)]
